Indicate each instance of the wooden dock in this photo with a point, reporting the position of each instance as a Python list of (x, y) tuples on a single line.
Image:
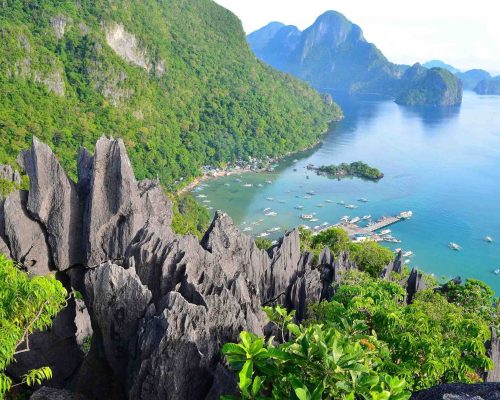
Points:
[(382, 224)]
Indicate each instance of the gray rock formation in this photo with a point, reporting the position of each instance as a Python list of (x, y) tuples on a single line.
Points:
[(46, 393), (26, 237), (117, 300), (493, 352), (10, 174), (56, 348), (54, 202), (414, 285), (117, 206), (460, 391)]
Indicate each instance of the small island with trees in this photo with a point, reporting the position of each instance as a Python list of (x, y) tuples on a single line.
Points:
[(344, 170)]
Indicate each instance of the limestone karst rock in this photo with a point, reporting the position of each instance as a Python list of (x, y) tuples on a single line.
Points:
[(53, 201), (26, 238)]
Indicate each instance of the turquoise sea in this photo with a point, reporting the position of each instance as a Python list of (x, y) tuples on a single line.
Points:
[(441, 163)]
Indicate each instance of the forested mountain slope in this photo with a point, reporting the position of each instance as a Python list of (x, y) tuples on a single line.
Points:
[(174, 78)]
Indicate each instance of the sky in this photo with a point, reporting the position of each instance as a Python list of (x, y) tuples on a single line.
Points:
[(465, 34)]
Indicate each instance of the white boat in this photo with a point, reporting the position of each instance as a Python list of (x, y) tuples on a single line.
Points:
[(341, 202), (307, 216), (206, 201), (311, 193), (408, 254), (407, 261), (345, 218), (247, 185), (269, 182), (454, 246), (314, 220), (269, 198), (201, 196), (275, 229), (299, 207), (263, 234), (317, 227), (324, 224), (385, 232), (397, 250), (307, 197), (237, 179), (259, 185), (247, 229), (329, 201), (365, 217), (354, 220), (351, 206), (406, 214), (227, 184), (488, 239), (267, 209), (363, 200), (270, 214), (210, 208), (497, 271)]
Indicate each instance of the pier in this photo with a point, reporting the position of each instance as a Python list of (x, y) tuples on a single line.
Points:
[(382, 224), (353, 230)]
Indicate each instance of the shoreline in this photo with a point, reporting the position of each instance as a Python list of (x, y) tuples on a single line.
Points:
[(214, 175)]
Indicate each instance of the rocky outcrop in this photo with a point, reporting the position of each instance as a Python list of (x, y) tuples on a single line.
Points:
[(117, 300), (493, 352), (460, 391), (26, 238), (414, 285), (46, 393), (10, 174), (53, 201), (117, 206)]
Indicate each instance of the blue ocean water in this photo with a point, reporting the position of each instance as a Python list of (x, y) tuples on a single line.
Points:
[(441, 163)]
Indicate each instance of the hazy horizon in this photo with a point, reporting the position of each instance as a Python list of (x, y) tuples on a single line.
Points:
[(461, 35)]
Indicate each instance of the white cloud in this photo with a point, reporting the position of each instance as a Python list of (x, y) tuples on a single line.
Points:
[(462, 33)]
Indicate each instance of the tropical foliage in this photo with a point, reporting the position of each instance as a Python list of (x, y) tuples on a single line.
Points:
[(200, 97), (369, 256), (368, 343), (318, 362), (27, 304), (357, 168), (189, 216)]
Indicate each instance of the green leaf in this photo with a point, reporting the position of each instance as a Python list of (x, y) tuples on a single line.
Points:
[(245, 376), (294, 329)]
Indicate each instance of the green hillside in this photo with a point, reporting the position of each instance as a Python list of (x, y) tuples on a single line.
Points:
[(174, 78)]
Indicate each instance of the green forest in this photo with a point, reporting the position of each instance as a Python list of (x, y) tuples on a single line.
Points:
[(194, 95)]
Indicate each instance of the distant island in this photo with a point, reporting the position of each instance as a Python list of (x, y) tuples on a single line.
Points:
[(489, 86), (344, 170), (434, 87), (333, 54)]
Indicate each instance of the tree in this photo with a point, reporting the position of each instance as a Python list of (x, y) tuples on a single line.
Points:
[(370, 257), (27, 304), (318, 362)]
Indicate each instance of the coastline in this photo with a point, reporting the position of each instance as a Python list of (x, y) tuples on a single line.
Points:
[(232, 171)]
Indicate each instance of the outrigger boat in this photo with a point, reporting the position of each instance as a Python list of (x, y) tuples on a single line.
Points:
[(454, 246)]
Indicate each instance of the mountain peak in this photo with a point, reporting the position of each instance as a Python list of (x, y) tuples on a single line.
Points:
[(333, 28)]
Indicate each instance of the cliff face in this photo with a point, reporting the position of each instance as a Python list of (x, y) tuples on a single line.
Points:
[(333, 54), (160, 305)]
